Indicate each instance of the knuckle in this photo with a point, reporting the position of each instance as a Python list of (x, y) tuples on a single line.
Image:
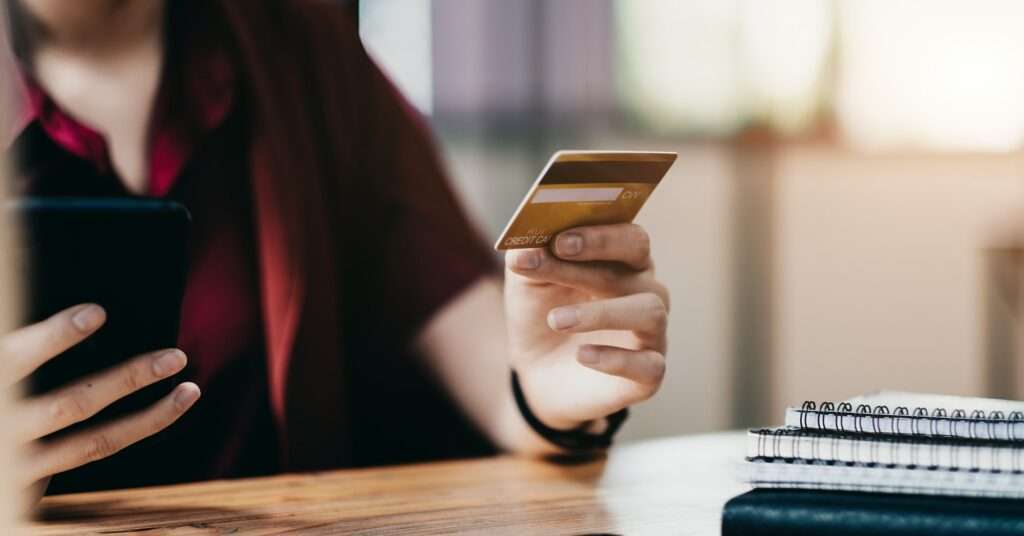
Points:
[(596, 315), (658, 368), (158, 422), (133, 376), (100, 446), (655, 374), (641, 241), (666, 297), (656, 311), (615, 364), (644, 392), (73, 406), (649, 392), (605, 278), (161, 420), (595, 240), (58, 332), (544, 264)]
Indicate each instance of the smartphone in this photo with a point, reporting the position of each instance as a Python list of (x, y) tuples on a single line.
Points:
[(127, 255)]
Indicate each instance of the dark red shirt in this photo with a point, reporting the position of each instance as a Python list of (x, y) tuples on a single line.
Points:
[(319, 195), (197, 151)]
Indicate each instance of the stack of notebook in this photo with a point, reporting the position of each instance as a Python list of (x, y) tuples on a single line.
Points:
[(888, 463)]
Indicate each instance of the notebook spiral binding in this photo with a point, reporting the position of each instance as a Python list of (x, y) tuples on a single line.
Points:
[(795, 446), (843, 417)]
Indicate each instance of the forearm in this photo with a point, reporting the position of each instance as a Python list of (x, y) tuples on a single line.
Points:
[(466, 344), (511, 433)]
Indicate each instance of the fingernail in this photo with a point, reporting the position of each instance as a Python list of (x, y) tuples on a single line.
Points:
[(569, 244), (169, 363), (528, 260), (563, 318), (89, 318), (186, 395), (588, 356)]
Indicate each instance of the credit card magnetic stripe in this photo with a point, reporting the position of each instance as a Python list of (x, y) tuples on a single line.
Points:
[(572, 171)]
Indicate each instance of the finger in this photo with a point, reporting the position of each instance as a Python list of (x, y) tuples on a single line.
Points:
[(643, 313), (24, 350), (95, 444), (538, 266), (85, 398), (645, 367), (626, 243)]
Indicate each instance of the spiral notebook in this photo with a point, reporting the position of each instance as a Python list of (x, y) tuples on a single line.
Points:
[(796, 445), (893, 442), (767, 473), (899, 413)]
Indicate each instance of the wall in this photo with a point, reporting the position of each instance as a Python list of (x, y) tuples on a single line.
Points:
[(879, 269)]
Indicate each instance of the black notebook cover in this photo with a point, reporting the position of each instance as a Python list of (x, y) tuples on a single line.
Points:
[(774, 512)]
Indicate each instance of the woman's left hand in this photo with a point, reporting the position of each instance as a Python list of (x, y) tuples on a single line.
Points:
[(587, 322)]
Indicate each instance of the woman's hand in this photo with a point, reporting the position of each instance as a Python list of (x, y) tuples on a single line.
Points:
[(586, 322), (25, 350)]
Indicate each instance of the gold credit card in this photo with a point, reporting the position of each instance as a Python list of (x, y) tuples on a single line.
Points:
[(584, 188)]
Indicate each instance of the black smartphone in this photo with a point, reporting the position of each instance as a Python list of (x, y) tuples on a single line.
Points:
[(127, 255)]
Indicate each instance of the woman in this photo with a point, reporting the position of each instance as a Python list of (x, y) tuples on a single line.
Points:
[(337, 310)]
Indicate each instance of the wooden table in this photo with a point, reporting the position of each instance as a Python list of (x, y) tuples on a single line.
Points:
[(667, 486)]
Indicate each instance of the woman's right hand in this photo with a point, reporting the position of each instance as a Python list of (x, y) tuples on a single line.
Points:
[(25, 350)]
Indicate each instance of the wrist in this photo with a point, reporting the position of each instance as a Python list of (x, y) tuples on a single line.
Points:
[(535, 399), (578, 439)]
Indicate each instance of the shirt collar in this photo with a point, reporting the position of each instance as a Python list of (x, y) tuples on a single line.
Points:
[(207, 96)]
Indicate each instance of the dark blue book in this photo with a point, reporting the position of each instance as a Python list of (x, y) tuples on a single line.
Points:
[(791, 512)]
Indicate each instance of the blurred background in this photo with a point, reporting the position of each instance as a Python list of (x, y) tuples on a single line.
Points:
[(842, 216)]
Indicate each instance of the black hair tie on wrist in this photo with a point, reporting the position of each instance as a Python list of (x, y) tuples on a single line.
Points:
[(572, 440)]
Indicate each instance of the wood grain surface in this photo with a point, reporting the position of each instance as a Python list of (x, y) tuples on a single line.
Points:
[(667, 486)]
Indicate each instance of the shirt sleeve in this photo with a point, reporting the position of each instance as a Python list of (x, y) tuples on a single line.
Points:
[(420, 248)]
